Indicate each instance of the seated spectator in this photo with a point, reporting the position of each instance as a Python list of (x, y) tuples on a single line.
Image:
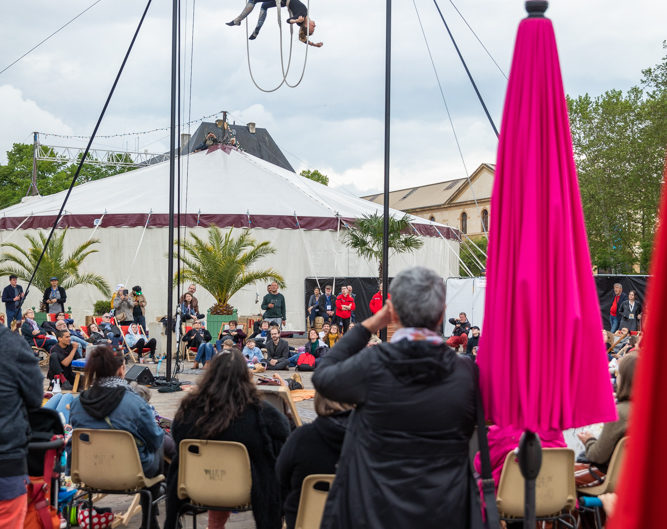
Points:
[(233, 333), (332, 336), (315, 347), (210, 140), (34, 334), (168, 445), (226, 406), (277, 350), (326, 327), (311, 449), (80, 342), (111, 331), (137, 341), (123, 307), (599, 451), (188, 310), (196, 335), (314, 306), (327, 305), (460, 333), (473, 342), (262, 334), (406, 461), (205, 349), (96, 337), (619, 340), (60, 361), (108, 402), (252, 353)]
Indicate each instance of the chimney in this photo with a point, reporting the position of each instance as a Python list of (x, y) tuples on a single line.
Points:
[(185, 139), (251, 127)]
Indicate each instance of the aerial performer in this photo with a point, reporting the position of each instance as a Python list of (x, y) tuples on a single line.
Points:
[(299, 16)]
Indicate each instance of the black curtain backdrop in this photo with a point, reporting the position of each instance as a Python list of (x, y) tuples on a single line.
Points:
[(363, 289), (605, 287)]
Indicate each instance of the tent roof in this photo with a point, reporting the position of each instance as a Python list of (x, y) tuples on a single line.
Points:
[(221, 186)]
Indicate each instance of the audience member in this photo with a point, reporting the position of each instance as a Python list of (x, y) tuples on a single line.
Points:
[(54, 297), (191, 290), (618, 299), (226, 406), (123, 307), (598, 451), (326, 327), (353, 318), (252, 353), (311, 449), (327, 305), (109, 402), (429, 483), (136, 340), (188, 310), (332, 336), (205, 350), (274, 305), (233, 333), (313, 349), (473, 342), (34, 334), (210, 140), (344, 307), (80, 342), (376, 301), (139, 308), (21, 387), (277, 350), (460, 332), (262, 335), (12, 295), (111, 331), (196, 335), (60, 361), (97, 337), (630, 312), (313, 306)]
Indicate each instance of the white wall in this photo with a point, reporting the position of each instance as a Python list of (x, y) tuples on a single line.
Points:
[(300, 254)]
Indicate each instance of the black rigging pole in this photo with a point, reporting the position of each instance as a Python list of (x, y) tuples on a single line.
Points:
[(387, 130)]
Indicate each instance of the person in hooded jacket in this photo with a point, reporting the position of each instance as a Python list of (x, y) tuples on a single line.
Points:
[(404, 461), (109, 402), (313, 448)]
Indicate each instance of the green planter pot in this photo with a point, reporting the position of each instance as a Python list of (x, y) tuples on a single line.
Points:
[(214, 321), (40, 317)]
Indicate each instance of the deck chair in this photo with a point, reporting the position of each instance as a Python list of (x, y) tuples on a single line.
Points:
[(555, 494), (107, 462), (189, 353), (213, 475), (314, 492), (609, 483), (124, 329)]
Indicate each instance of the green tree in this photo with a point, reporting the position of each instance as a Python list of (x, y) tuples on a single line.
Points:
[(365, 238), (467, 249), (23, 260), (223, 264), (52, 176), (316, 176), (619, 143)]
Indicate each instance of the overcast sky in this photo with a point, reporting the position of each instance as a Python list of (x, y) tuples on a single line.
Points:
[(334, 120)]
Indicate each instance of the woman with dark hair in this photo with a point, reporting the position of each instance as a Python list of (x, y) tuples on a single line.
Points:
[(226, 406), (599, 450), (630, 312), (311, 449), (188, 309), (109, 402)]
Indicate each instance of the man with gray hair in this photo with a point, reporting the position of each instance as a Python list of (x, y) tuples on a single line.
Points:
[(406, 446), (617, 301)]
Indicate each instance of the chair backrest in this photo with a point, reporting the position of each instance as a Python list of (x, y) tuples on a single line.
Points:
[(615, 464), (84, 328), (214, 473), (106, 460), (555, 488), (314, 492)]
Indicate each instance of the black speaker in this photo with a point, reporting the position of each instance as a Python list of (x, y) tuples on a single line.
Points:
[(140, 374)]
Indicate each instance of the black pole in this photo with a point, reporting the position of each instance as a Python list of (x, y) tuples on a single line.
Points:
[(172, 172), (530, 462), (387, 130)]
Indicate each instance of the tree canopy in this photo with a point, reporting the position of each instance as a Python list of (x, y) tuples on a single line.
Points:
[(619, 143), (316, 176)]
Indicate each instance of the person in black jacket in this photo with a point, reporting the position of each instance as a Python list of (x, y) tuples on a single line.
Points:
[(226, 406), (473, 342), (630, 312), (34, 334), (54, 297), (12, 295), (460, 332), (277, 350), (21, 386), (327, 305), (404, 461), (311, 449)]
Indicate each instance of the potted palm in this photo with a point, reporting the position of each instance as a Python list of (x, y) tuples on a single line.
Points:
[(221, 264), (56, 263)]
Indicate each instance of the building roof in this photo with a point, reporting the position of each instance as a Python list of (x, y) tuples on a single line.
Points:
[(259, 144), (225, 187)]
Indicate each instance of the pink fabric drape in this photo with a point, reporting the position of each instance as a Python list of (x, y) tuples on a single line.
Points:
[(541, 357)]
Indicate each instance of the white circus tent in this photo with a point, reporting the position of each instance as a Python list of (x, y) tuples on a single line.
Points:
[(303, 219)]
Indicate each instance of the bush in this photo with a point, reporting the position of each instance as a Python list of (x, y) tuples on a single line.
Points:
[(101, 307)]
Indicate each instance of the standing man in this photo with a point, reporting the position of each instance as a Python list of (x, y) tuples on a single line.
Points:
[(54, 297), (274, 305), (22, 390), (277, 351), (344, 308), (619, 298), (11, 297), (328, 305)]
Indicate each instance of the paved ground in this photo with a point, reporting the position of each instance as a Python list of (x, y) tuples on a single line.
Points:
[(167, 404)]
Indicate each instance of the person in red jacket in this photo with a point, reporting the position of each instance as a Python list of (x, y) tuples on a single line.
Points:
[(376, 301), (344, 307)]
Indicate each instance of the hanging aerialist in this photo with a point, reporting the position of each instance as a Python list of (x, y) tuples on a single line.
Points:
[(299, 16)]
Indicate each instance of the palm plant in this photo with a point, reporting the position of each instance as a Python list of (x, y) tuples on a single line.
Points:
[(54, 264), (222, 264), (365, 238)]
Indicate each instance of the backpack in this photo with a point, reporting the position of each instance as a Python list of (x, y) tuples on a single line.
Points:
[(306, 362)]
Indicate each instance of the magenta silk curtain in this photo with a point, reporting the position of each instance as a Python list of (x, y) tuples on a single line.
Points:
[(541, 357)]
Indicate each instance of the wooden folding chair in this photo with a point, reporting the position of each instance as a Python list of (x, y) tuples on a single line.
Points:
[(314, 493)]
